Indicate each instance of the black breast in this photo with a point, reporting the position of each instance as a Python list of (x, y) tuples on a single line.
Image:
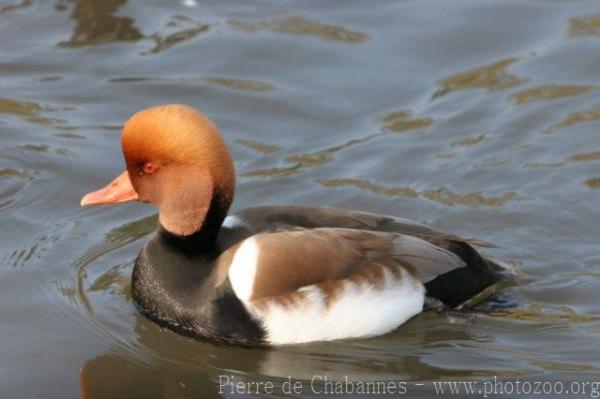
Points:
[(177, 290)]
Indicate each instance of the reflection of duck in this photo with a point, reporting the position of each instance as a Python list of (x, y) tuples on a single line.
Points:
[(179, 368), (127, 370), (96, 24), (272, 275)]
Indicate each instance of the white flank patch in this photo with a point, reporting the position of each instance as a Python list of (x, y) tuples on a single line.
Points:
[(243, 269), (359, 311), (231, 222)]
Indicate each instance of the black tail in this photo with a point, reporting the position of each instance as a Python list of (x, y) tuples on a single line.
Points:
[(460, 285)]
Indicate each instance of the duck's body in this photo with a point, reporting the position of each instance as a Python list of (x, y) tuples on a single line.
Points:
[(277, 275)]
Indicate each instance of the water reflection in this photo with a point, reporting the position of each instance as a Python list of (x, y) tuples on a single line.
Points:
[(535, 165), (240, 84), (97, 24), (536, 313), (117, 276), (110, 376), (28, 110), (585, 156), (25, 175), (549, 92), (442, 195), (402, 121), (468, 141), (46, 149), (492, 77), (11, 7), (300, 162), (29, 250), (301, 26), (122, 374), (576, 118), (560, 366), (395, 122), (585, 26), (175, 367), (170, 40), (362, 184), (579, 157), (116, 281), (19, 257), (14, 178), (259, 146), (594, 182), (130, 232), (326, 155)]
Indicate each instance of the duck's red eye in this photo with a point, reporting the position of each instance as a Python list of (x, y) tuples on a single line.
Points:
[(149, 168)]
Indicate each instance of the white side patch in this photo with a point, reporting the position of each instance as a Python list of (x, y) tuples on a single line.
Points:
[(243, 269), (232, 221), (360, 311)]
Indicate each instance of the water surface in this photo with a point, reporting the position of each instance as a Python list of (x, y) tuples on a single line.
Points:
[(481, 118)]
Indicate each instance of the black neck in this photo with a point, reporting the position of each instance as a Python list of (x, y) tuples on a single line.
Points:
[(204, 240)]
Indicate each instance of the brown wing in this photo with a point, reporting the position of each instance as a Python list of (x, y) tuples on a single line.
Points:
[(288, 260)]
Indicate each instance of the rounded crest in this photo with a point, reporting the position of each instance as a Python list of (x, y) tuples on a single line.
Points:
[(177, 134)]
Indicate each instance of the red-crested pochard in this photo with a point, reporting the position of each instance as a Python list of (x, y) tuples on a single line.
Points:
[(275, 274)]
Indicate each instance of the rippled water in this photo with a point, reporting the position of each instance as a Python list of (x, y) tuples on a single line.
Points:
[(481, 118)]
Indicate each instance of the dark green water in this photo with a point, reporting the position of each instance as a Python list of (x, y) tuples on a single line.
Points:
[(481, 118)]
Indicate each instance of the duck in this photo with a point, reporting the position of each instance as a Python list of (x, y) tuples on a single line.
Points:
[(274, 275)]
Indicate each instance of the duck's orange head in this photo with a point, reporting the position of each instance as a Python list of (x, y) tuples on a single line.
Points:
[(177, 161)]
